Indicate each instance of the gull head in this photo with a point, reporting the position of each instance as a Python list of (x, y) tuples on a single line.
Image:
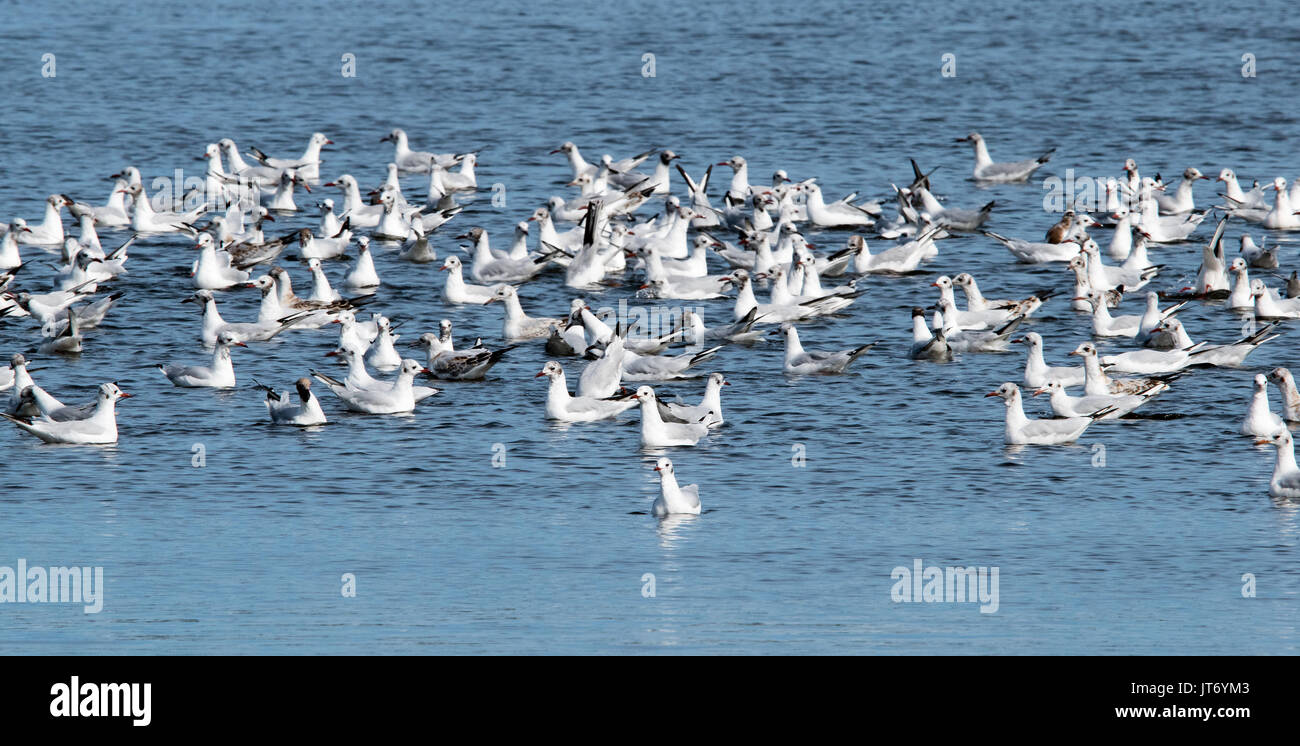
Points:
[(736, 162), (202, 297), (1051, 386), (1280, 375), (1087, 349), (450, 263), (664, 465), (226, 339), (1008, 391), (1279, 439), (645, 395), (973, 137), (502, 292), (110, 392), (411, 368), (550, 370), (1193, 174), (1260, 382)]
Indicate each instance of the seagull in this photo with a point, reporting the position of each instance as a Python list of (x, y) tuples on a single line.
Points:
[(456, 290), (1105, 325), (987, 170), (741, 331), (1020, 430), (1290, 395), (801, 362), (395, 397), (66, 340), (37, 400), (1229, 355), (900, 259), (487, 267), (1097, 382), (972, 340), (284, 411), (220, 375), (213, 269), (1164, 229), (416, 161), (661, 368), (1269, 306), (416, 248), (1182, 200), (674, 499), (50, 230), (1087, 405), (656, 433), (927, 345), (1038, 372), (1256, 256), (773, 313), (99, 428), (1285, 483), (145, 219), (10, 256), (458, 365), (214, 326), (355, 210), (18, 381), (709, 410), (363, 274), (1031, 252), (1152, 319), (952, 218), (1281, 217), (519, 326), (565, 408), (1260, 421), (308, 164), (383, 352), (841, 214)]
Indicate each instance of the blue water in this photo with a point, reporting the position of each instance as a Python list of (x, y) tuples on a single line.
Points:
[(904, 460)]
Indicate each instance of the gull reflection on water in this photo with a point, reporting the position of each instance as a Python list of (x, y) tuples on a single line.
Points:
[(671, 528)]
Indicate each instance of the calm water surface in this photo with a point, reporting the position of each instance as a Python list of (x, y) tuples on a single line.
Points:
[(904, 460)]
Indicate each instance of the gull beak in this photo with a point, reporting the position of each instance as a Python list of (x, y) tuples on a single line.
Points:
[(123, 395), (1263, 442), (1039, 391), (542, 373), (657, 468), (240, 344), (992, 393)]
